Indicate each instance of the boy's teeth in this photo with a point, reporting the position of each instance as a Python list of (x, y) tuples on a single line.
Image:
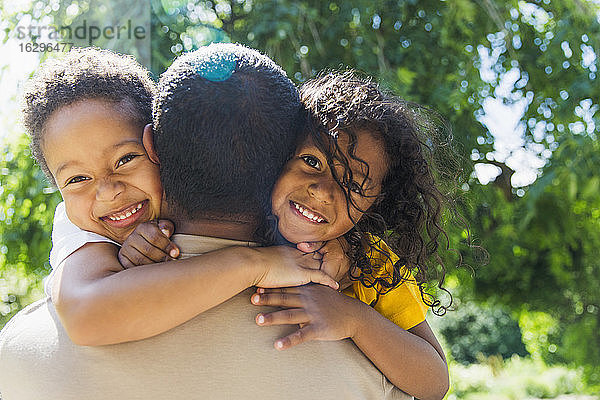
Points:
[(127, 214)]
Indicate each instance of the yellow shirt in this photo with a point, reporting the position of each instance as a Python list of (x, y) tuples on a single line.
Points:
[(402, 305)]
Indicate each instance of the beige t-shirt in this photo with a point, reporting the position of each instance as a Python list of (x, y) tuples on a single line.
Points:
[(220, 354)]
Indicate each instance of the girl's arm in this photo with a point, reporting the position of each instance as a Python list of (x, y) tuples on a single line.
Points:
[(412, 360), (99, 302)]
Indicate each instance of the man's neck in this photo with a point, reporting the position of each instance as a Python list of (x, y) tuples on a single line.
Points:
[(235, 228)]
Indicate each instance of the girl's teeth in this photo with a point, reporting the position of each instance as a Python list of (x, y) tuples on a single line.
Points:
[(307, 213)]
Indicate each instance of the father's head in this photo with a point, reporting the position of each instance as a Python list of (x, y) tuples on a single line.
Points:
[(225, 121)]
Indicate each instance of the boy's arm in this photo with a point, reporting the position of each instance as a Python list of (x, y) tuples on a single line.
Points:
[(99, 302)]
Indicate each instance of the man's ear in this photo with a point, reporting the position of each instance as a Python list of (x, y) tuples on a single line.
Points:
[(148, 142)]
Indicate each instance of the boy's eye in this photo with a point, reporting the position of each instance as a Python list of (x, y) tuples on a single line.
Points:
[(311, 161), (125, 159), (76, 179)]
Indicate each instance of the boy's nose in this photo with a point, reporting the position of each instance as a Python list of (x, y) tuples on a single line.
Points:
[(322, 191), (109, 189)]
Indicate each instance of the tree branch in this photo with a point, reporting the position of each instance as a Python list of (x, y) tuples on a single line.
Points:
[(502, 181)]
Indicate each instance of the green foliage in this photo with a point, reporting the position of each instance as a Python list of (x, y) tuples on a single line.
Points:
[(474, 331), (514, 379), (538, 329), (546, 244), (26, 210)]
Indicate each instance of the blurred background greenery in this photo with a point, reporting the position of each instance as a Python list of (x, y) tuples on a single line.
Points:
[(518, 82)]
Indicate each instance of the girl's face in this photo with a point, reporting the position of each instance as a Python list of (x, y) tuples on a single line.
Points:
[(309, 203), (97, 159)]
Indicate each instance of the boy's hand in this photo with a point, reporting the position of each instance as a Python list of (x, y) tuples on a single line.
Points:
[(284, 266), (149, 243), (335, 262), (322, 313)]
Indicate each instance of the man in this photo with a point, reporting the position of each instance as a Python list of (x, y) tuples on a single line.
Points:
[(224, 123)]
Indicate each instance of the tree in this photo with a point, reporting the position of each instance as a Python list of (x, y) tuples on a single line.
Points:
[(26, 210)]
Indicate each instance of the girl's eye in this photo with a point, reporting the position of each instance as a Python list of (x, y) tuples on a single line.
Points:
[(125, 159), (356, 188), (76, 179), (311, 161)]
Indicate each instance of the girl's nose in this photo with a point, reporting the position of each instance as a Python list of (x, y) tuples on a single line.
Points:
[(322, 191), (109, 189)]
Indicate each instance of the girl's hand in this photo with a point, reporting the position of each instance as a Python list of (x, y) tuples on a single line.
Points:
[(322, 313), (149, 243), (283, 266), (335, 262)]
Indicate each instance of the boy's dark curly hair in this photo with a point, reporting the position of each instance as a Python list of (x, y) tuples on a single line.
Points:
[(407, 214), (85, 74)]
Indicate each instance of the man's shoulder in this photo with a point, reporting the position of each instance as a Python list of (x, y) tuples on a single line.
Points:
[(221, 352), (19, 322)]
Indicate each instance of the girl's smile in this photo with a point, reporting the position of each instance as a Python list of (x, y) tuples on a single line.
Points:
[(309, 203), (308, 214)]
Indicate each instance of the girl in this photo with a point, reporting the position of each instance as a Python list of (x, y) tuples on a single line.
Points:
[(364, 176)]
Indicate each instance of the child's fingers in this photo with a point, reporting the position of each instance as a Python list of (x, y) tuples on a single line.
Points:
[(335, 261), (291, 290), (302, 335), (134, 256), (309, 247), (290, 316), (155, 244), (125, 262), (149, 250), (277, 299), (166, 227), (309, 261), (318, 276)]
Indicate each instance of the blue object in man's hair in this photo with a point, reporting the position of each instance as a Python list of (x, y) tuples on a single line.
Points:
[(216, 66)]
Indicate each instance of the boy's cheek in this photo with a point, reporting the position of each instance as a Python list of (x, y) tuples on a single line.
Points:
[(75, 212)]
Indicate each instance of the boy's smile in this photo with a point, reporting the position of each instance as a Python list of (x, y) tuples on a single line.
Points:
[(95, 153), (310, 205), (126, 216)]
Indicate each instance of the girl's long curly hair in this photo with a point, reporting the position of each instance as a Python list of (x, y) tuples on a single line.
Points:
[(407, 214)]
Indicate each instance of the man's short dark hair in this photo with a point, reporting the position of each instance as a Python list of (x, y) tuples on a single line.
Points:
[(225, 121), (85, 74)]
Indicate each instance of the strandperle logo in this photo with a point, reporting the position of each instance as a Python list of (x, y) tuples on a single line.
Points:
[(82, 32)]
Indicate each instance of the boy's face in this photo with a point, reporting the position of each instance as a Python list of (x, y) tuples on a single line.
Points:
[(310, 205), (96, 156)]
